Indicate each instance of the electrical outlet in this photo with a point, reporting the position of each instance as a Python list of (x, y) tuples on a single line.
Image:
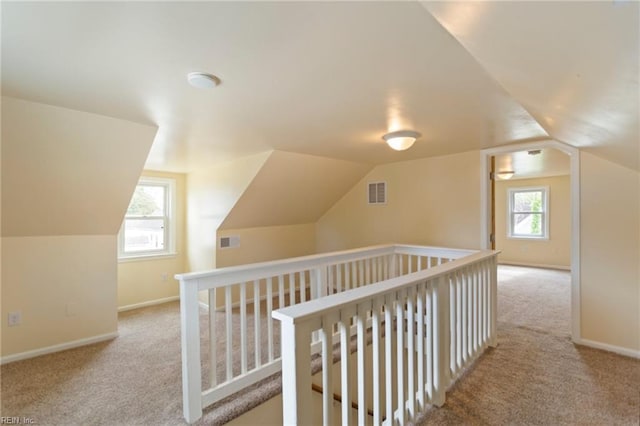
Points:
[(164, 276), (15, 318)]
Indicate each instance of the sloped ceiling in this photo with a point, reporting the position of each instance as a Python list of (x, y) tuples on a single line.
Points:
[(544, 163), (573, 65), (318, 78), (293, 189), (330, 78), (67, 172)]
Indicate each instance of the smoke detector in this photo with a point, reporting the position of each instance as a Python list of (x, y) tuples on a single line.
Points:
[(202, 80)]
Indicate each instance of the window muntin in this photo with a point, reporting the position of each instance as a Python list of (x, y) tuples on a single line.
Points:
[(528, 213), (148, 228)]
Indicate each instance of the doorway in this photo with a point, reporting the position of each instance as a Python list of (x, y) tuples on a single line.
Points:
[(519, 229)]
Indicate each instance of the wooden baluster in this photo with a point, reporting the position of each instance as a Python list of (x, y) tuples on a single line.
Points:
[(292, 289), (243, 327), (229, 333), (269, 319), (402, 412), (345, 363), (421, 356), (361, 327), (376, 334), (257, 323), (411, 353), (213, 339), (303, 286), (327, 369), (280, 291), (390, 390)]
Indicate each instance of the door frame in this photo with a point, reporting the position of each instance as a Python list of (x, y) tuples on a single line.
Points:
[(485, 213)]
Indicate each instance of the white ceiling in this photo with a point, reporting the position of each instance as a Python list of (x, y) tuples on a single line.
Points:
[(326, 78), (549, 162), (573, 65)]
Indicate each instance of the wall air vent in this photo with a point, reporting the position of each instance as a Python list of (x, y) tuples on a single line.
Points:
[(229, 242), (377, 192)]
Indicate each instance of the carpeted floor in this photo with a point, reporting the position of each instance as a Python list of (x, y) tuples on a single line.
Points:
[(535, 376)]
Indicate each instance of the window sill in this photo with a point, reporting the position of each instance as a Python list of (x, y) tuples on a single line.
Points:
[(528, 238), (146, 257)]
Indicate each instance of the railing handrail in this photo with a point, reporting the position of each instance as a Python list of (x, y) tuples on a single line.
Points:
[(254, 271), (334, 302)]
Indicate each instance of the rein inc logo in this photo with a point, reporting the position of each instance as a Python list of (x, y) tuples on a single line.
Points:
[(17, 421)]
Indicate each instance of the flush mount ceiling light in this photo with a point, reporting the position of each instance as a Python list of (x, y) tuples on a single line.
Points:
[(508, 174), (401, 140), (202, 80)]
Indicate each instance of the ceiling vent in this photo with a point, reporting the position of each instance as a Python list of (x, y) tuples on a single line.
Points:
[(377, 192)]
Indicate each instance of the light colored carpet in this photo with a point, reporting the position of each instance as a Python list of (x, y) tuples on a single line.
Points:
[(535, 376)]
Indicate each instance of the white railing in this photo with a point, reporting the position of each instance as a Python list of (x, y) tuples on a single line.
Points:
[(414, 335), (240, 346)]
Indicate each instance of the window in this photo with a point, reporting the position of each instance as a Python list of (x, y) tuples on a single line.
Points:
[(148, 228), (528, 213)]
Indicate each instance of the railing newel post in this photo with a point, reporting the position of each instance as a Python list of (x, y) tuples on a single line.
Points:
[(296, 377), (190, 336)]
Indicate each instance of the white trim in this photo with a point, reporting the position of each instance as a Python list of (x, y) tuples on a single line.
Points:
[(148, 303), (485, 211), (203, 305), (170, 216), (534, 265), (57, 348), (544, 214), (146, 257), (609, 348)]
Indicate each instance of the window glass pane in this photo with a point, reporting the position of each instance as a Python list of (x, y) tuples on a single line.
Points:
[(527, 224), (143, 235), (530, 201), (147, 200)]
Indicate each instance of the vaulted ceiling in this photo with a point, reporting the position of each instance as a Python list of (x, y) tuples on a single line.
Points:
[(329, 78)]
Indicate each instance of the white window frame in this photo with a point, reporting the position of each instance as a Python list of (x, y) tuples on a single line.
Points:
[(544, 215), (169, 218)]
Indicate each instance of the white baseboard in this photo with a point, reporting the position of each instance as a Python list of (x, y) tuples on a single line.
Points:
[(535, 265), (58, 348), (610, 348), (148, 303)]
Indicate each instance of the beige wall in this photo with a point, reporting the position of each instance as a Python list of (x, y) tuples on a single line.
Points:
[(141, 280), (556, 251), (67, 172), (64, 286), (292, 189), (433, 201), (67, 177), (267, 243), (211, 194), (610, 252)]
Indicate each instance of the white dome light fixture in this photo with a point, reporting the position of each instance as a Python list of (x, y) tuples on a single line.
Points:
[(202, 80), (506, 175), (402, 139)]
